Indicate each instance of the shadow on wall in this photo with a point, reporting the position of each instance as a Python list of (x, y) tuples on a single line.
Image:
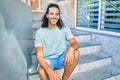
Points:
[(15, 39)]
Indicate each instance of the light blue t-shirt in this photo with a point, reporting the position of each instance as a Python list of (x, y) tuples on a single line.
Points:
[(53, 41)]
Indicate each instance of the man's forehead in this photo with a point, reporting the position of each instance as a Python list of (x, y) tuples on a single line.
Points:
[(53, 9)]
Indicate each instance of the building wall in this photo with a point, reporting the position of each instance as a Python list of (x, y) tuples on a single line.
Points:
[(67, 10), (15, 39), (110, 45)]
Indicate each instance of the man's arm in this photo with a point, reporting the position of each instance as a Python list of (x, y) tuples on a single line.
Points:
[(73, 43), (40, 59), (69, 57)]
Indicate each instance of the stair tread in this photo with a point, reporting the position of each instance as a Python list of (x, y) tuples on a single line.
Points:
[(77, 32), (88, 43), (83, 44), (88, 58), (93, 57), (97, 74)]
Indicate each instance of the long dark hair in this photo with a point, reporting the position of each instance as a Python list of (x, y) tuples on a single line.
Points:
[(60, 23)]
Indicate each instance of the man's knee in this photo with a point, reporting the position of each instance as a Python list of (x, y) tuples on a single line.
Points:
[(77, 54), (41, 71)]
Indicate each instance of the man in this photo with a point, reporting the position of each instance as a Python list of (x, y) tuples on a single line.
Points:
[(51, 48)]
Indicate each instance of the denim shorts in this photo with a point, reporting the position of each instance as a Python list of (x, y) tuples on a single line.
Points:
[(56, 63)]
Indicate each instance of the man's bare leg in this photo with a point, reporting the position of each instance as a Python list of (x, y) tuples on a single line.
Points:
[(68, 69), (42, 74)]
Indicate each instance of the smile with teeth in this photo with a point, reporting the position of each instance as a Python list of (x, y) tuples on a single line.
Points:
[(54, 19)]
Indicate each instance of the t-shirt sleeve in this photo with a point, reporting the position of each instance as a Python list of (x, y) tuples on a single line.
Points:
[(38, 41), (68, 34)]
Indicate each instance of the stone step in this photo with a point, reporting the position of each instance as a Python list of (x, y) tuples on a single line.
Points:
[(85, 47), (108, 72), (91, 61), (86, 62), (115, 77), (77, 32), (89, 47), (81, 36)]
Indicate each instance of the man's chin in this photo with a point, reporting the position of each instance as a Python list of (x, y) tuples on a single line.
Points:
[(54, 23)]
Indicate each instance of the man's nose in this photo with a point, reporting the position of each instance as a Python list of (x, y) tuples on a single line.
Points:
[(54, 15)]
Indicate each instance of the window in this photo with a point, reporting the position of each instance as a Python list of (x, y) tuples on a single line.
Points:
[(88, 14)]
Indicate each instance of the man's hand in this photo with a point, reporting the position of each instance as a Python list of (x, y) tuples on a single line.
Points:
[(52, 75), (69, 57)]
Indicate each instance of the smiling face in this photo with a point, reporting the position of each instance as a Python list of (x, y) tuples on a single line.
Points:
[(53, 16)]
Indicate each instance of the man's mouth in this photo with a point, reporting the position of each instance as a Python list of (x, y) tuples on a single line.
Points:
[(54, 19)]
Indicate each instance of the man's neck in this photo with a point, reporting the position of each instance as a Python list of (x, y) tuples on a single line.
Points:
[(51, 26)]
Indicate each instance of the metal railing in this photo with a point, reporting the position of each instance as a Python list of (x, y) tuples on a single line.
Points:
[(111, 16), (111, 4)]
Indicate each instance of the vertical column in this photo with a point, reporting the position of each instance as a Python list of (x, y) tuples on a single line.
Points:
[(75, 13), (100, 14), (39, 4), (28, 2), (103, 15)]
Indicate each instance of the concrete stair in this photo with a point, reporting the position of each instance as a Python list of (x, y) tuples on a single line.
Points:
[(93, 64), (108, 72)]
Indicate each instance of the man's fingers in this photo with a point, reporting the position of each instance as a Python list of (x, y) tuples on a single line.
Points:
[(71, 60), (68, 61)]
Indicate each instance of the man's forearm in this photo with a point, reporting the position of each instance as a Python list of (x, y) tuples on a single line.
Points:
[(40, 59), (42, 62)]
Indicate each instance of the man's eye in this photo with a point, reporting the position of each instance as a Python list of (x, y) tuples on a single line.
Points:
[(51, 13), (57, 14)]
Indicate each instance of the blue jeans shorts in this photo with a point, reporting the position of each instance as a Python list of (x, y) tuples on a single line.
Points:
[(56, 63)]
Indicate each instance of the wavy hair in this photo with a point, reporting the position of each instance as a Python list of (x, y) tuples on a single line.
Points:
[(60, 23)]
